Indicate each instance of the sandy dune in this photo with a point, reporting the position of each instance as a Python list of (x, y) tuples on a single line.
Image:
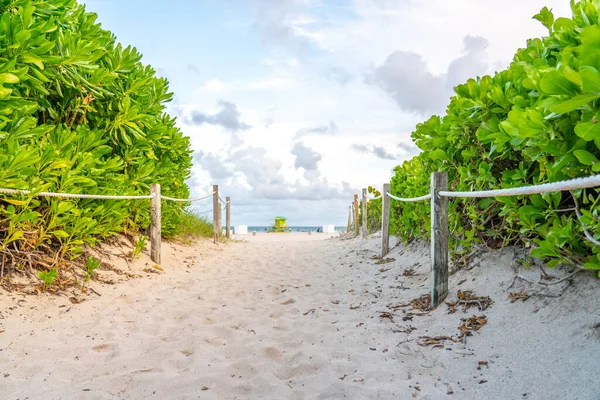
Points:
[(297, 316)]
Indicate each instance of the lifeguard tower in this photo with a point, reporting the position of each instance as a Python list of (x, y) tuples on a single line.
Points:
[(280, 225)]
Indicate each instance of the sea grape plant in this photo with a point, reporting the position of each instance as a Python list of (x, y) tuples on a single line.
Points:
[(373, 211), (535, 122), (79, 113)]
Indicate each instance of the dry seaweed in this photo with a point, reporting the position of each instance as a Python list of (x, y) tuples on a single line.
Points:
[(435, 342), (468, 299), (421, 303), (471, 324)]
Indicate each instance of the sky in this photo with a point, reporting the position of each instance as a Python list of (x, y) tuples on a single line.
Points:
[(293, 106)]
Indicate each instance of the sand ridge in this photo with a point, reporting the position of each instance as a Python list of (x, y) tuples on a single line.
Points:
[(298, 316)]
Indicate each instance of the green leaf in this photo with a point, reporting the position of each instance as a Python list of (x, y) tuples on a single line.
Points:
[(574, 103), (7, 77), (438, 154), (585, 157), (572, 75), (22, 36), (554, 82), (546, 17), (11, 238), (4, 92), (590, 79), (14, 201), (545, 250), (60, 234), (591, 265), (33, 59), (564, 24), (588, 131)]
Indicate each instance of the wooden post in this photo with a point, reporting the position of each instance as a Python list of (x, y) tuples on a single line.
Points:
[(228, 217), (155, 214), (356, 224), (439, 239), (364, 213), (216, 207), (220, 224), (349, 219), (385, 220)]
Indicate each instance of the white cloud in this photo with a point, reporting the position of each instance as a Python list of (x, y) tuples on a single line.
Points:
[(272, 84), (215, 86), (334, 75)]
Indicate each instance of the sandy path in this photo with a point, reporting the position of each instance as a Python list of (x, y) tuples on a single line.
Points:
[(294, 317)]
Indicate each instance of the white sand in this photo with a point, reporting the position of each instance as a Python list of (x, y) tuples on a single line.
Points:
[(294, 316)]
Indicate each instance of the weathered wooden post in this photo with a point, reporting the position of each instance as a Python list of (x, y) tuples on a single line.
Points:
[(439, 239), (349, 219), (228, 217), (364, 213), (155, 223), (216, 208), (356, 224), (220, 224), (385, 220)]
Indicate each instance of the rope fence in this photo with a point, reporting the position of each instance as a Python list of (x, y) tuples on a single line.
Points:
[(438, 196), (410, 199), (155, 209), (74, 195), (187, 200), (573, 184)]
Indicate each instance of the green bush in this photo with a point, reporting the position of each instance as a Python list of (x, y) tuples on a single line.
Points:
[(373, 211), (533, 123), (194, 225), (80, 113)]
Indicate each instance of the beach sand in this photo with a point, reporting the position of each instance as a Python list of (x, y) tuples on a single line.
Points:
[(298, 316)]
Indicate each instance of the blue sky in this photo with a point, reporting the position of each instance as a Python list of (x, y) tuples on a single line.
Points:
[(294, 105)]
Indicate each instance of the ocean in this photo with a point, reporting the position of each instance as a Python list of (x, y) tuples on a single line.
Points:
[(293, 228)]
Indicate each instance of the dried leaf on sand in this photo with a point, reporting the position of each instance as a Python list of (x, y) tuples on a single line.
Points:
[(435, 342), (421, 303), (468, 299), (471, 324)]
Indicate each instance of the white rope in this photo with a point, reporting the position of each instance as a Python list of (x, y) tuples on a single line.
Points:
[(187, 200), (413, 199), (203, 212), (577, 183), (75, 196), (374, 198)]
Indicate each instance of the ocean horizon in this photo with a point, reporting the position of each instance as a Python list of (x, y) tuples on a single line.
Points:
[(312, 228)]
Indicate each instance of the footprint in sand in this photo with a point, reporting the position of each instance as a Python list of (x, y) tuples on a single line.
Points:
[(276, 315), (215, 341), (105, 347), (187, 352), (272, 353)]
